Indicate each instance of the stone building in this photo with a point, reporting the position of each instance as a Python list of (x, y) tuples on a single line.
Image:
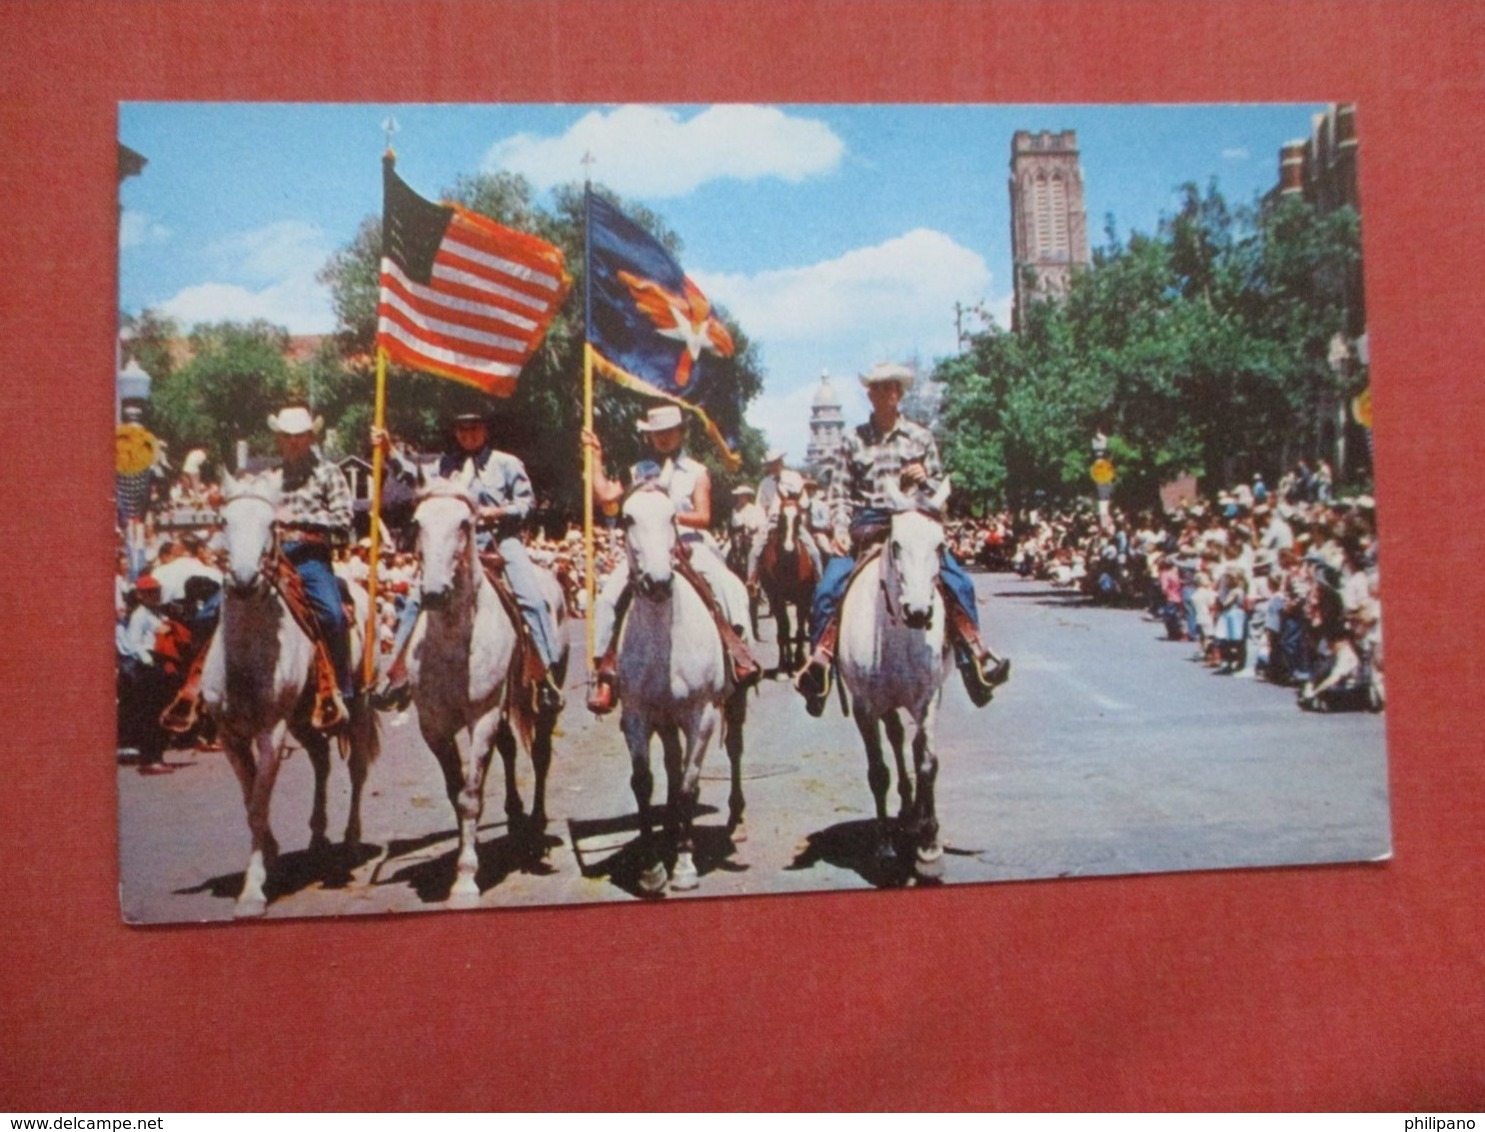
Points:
[(1049, 221), (827, 426)]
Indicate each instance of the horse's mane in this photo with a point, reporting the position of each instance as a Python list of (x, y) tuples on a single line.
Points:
[(437, 487)]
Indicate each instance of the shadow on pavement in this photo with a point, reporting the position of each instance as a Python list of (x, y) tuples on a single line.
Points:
[(853, 845), (519, 850), (329, 866), (601, 855)]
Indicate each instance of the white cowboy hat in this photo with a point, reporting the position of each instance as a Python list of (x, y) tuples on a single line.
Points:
[(661, 418), (294, 421), (888, 371), (742, 489), (790, 482), (773, 454)]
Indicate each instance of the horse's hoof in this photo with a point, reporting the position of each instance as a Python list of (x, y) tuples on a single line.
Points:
[(249, 908), (652, 880), (930, 864), (684, 879), (465, 892)]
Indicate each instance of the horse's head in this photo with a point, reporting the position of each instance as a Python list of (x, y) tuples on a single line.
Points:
[(648, 520), (444, 536), (914, 548), (787, 524), (249, 511)]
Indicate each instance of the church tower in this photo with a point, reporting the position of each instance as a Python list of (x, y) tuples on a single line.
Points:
[(1049, 221)]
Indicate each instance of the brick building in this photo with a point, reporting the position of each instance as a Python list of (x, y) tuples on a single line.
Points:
[(1049, 221)]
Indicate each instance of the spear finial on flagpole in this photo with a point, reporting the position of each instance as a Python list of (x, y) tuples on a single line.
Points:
[(390, 127)]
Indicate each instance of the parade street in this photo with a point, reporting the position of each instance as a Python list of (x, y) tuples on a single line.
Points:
[(1110, 751)]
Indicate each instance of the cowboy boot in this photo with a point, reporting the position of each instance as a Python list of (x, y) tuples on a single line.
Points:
[(604, 696), (328, 712), (982, 670), (745, 670), (813, 681), (182, 713), (546, 697)]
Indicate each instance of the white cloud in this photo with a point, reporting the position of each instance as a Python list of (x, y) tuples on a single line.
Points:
[(267, 273), (894, 300), (899, 294), (283, 250), (137, 229), (650, 151), (303, 308), (1237, 153)]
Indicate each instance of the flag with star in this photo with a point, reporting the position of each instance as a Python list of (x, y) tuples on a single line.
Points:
[(652, 329)]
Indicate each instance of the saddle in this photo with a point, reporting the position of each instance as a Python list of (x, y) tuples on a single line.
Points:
[(741, 667), (527, 669), (326, 711)]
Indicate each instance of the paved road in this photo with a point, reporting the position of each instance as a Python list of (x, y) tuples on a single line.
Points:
[(1110, 751)]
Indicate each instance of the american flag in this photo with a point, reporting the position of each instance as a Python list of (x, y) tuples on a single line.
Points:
[(462, 296)]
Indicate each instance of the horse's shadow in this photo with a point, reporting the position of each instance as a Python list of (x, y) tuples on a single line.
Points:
[(520, 850), (330, 866), (713, 849), (852, 845)]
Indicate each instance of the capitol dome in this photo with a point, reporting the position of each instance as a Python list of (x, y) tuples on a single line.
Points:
[(826, 396)]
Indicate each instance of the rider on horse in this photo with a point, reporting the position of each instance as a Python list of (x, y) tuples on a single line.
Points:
[(789, 486), (887, 450), (314, 515), (689, 485), (502, 493)]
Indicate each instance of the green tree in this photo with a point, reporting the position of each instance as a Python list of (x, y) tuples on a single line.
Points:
[(238, 374), (1203, 348)]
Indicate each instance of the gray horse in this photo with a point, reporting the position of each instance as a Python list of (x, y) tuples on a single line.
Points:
[(255, 681), (673, 683)]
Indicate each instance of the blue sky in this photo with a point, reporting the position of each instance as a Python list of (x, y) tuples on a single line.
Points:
[(837, 235)]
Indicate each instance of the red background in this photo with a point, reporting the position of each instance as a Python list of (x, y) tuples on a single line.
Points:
[(1340, 987)]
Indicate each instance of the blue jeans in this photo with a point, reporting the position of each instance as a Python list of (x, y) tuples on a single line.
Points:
[(831, 589), (322, 590)]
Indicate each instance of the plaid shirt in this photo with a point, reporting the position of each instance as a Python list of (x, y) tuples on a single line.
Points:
[(316, 498), (869, 461)]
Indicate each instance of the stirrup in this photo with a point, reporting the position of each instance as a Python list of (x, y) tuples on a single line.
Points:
[(181, 714), (814, 683), (328, 712), (604, 697), (387, 696)]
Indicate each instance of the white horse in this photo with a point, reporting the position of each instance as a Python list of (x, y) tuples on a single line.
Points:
[(672, 682), (258, 681), (893, 656), (460, 669)]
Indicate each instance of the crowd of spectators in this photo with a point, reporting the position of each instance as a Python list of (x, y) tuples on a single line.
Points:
[(1280, 585)]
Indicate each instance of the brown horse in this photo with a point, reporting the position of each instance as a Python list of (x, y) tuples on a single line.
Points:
[(787, 574)]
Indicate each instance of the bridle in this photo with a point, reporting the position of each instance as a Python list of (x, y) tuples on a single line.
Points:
[(271, 559)]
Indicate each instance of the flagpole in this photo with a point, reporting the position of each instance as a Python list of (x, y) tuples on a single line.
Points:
[(589, 566), (377, 461)]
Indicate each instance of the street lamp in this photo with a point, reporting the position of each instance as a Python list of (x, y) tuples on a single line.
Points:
[(1339, 358)]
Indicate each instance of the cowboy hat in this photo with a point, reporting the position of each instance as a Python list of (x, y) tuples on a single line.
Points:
[(742, 489), (773, 455), (888, 371), (661, 418), (294, 421)]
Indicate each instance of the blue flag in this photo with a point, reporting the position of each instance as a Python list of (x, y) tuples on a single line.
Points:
[(652, 329)]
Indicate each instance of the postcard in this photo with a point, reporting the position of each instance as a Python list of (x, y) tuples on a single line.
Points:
[(556, 504)]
